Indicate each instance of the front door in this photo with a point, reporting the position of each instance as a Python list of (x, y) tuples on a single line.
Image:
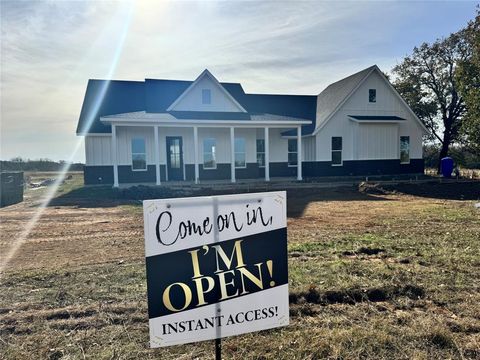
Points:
[(174, 158)]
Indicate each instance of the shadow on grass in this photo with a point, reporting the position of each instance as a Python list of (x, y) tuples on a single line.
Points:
[(106, 196)]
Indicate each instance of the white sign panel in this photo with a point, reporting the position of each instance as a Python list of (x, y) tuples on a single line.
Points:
[(216, 266)]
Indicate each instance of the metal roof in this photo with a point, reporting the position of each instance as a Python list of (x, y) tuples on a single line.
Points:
[(335, 94), (112, 97)]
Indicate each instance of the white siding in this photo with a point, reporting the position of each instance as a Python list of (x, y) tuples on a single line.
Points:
[(193, 99), (377, 141), (98, 150), (125, 134), (356, 137), (308, 148), (278, 146)]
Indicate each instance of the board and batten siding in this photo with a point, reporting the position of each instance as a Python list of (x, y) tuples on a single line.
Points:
[(308, 148), (377, 141), (363, 141), (98, 148), (192, 101)]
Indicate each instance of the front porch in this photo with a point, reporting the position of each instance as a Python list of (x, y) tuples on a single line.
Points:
[(193, 151)]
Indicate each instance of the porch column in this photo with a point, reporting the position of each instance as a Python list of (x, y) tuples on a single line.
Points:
[(195, 152), (114, 156), (299, 153), (157, 157), (232, 154), (267, 156)]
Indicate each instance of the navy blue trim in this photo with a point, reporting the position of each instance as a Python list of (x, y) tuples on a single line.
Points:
[(375, 117)]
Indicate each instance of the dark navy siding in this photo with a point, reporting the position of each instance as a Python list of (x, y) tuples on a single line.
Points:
[(104, 174), (362, 167), (94, 175)]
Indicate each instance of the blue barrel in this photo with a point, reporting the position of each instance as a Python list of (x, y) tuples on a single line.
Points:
[(447, 166)]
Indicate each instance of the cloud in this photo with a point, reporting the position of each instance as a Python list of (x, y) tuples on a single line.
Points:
[(50, 50)]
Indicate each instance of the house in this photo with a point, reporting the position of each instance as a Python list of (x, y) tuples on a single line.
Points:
[(157, 131)]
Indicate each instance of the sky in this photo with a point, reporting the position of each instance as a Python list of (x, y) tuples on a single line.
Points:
[(49, 50)]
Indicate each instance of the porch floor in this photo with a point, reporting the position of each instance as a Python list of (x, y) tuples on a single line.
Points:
[(283, 182)]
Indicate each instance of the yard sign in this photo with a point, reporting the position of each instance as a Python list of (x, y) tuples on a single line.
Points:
[(216, 266)]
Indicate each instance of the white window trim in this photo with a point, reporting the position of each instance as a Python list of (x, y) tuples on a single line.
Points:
[(203, 152), (237, 152), (292, 152), (331, 151), (260, 152), (372, 102), (144, 153), (400, 150)]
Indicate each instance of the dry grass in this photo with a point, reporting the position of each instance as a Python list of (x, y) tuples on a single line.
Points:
[(382, 276)]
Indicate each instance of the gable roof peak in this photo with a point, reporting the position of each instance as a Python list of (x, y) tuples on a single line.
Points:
[(204, 73)]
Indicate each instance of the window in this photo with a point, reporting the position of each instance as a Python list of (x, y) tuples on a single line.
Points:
[(372, 95), (206, 96), (261, 152), (337, 151), (292, 152), (404, 149), (175, 154), (139, 156), (209, 154), (240, 161)]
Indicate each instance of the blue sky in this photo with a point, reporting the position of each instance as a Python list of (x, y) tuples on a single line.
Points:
[(50, 49)]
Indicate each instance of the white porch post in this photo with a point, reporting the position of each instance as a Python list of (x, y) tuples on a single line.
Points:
[(232, 153), (267, 156), (114, 156), (195, 152), (299, 153), (157, 156)]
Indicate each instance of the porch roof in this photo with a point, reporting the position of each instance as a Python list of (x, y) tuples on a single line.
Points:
[(198, 118)]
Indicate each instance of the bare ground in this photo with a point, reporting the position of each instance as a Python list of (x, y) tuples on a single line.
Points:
[(381, 272)]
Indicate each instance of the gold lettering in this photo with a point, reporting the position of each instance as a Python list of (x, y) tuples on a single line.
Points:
[(257, 281), (237, 249), (201, 291), (223, 285), (166, 297)]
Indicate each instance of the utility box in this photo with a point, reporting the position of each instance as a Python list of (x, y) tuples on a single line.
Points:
[(11, 187)]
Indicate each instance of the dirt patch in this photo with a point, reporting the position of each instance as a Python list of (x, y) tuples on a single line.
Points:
[(356, 295), (364, 251), (462, 190)]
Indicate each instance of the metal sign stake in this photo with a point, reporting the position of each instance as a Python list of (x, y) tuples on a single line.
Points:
[(218, 349)]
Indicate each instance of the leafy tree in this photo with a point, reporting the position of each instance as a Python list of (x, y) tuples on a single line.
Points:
[(468, 77), (427, 81)]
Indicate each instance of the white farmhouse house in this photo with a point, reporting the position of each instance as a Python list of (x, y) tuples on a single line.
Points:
[(156, 131)]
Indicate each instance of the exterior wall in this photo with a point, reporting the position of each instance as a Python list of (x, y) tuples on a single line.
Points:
[(98, 150), (219, 100), (370, 141), (308, 148), (376, 141), (362, 168)]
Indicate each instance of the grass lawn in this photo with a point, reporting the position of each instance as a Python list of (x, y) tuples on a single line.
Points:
[(386, 274)]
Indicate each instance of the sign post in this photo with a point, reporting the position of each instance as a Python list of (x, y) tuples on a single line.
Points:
[(216, 267)]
